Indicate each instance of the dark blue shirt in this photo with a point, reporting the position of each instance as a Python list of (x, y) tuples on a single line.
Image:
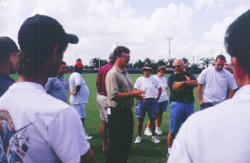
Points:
[(57, 87), (184, 95), (5, 82)]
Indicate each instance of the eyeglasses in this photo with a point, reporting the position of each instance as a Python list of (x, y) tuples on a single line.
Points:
[(124, 55), (176, 66)]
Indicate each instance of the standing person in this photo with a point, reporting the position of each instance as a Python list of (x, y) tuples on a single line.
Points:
[(57, 86), (120, 96), (214, 83), (181, 85), (150, 86), (36, 127), (197, 141), (8, 62), (162, 103), (79, 94), (102, 100)]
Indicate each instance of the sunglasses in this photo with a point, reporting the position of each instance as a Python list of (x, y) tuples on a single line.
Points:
[(177, 66)]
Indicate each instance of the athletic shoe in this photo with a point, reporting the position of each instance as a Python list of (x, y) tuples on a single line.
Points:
[(148, 132), (88, 137), (155, 139), (158, 131), (138, 139)]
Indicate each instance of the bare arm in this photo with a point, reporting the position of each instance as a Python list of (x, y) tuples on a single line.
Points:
[(231, 93), (199, 93), (88, 157), (133, 93)]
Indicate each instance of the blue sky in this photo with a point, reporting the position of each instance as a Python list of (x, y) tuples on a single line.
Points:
[(196, 26)]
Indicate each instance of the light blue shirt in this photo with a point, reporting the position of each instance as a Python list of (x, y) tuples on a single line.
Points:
[(57, 87)]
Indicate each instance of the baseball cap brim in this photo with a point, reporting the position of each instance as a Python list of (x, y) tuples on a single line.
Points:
[(146, 68), (71, 38)]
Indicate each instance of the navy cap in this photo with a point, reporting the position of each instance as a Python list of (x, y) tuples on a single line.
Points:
[(39, 29), (7, 46)]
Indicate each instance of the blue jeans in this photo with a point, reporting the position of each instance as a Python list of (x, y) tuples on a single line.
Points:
[(179, 112)]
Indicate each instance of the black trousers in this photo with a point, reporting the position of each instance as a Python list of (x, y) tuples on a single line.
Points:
[(120, 124)]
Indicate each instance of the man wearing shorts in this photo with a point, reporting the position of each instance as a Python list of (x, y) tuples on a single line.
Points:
[(79, 94), (102, 100)]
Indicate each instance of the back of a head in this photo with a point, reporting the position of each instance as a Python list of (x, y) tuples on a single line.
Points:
[(37, 37), (119, 50), (7, 46), (237, 40)]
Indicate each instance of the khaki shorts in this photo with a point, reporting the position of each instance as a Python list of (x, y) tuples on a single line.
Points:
[(102, 103)]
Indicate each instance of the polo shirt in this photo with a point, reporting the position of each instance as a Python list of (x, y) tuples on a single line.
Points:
[(220, 134), (82, 96), (149, 85), (184, 95), (216, 84), (57, 87), (163, 84), (5, 82), (38, 128), (118, 81), (100, 79)]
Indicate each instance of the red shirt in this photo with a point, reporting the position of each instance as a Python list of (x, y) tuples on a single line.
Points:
[(100, 80)]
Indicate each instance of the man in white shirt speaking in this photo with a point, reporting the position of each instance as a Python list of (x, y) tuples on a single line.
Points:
[(214, 83), (221, 134)]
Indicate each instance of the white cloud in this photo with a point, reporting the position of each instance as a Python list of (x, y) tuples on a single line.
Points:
[(101, 24)]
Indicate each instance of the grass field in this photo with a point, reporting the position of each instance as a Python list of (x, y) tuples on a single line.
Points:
[(147, 152)]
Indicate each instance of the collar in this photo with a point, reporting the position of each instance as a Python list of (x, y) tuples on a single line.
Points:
[(27, 85), (243, 90), (119, 70)]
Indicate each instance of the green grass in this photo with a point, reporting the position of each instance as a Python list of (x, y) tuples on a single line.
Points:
[(147, 152)]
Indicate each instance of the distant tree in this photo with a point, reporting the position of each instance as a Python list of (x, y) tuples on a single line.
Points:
[(170, 62), (205, 62), (138, 64), (161, 62), (96, 62)]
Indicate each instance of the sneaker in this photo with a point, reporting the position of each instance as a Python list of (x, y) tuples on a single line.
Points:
[(158, 131), (138, 139), (155, 139), (88, 137), (148, 132)]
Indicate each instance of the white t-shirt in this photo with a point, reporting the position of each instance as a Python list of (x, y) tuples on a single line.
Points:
[(148, 85), (219, 135), (163, 84), (82, 96), (216, 84), (38, 128)]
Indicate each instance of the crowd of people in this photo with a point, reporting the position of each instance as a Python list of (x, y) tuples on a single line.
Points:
[(37, 124)]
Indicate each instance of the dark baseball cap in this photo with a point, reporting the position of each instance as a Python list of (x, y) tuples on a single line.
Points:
[(40, 29), (7, 46)]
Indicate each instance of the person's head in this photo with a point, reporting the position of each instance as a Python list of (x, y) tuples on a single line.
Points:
[(8, 55), (178, 66), (111, 58), (146, 70), (161, 71), (62, 68), (237, 43), (78, 66), (121, 55), (42, 41), (79, 60), (219, 62)]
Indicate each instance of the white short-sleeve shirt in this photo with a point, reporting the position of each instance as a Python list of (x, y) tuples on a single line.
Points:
[(218, 135), (148, 85), (163, 84), (216, 84), (38, 128), (82, 96)]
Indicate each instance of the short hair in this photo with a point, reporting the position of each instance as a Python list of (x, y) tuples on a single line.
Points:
[(37, 36), (221, 57), (79, 60), (237, 40), (119, 50), (7, 46)]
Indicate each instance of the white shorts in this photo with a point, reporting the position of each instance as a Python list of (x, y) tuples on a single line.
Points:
[(102, 103)]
